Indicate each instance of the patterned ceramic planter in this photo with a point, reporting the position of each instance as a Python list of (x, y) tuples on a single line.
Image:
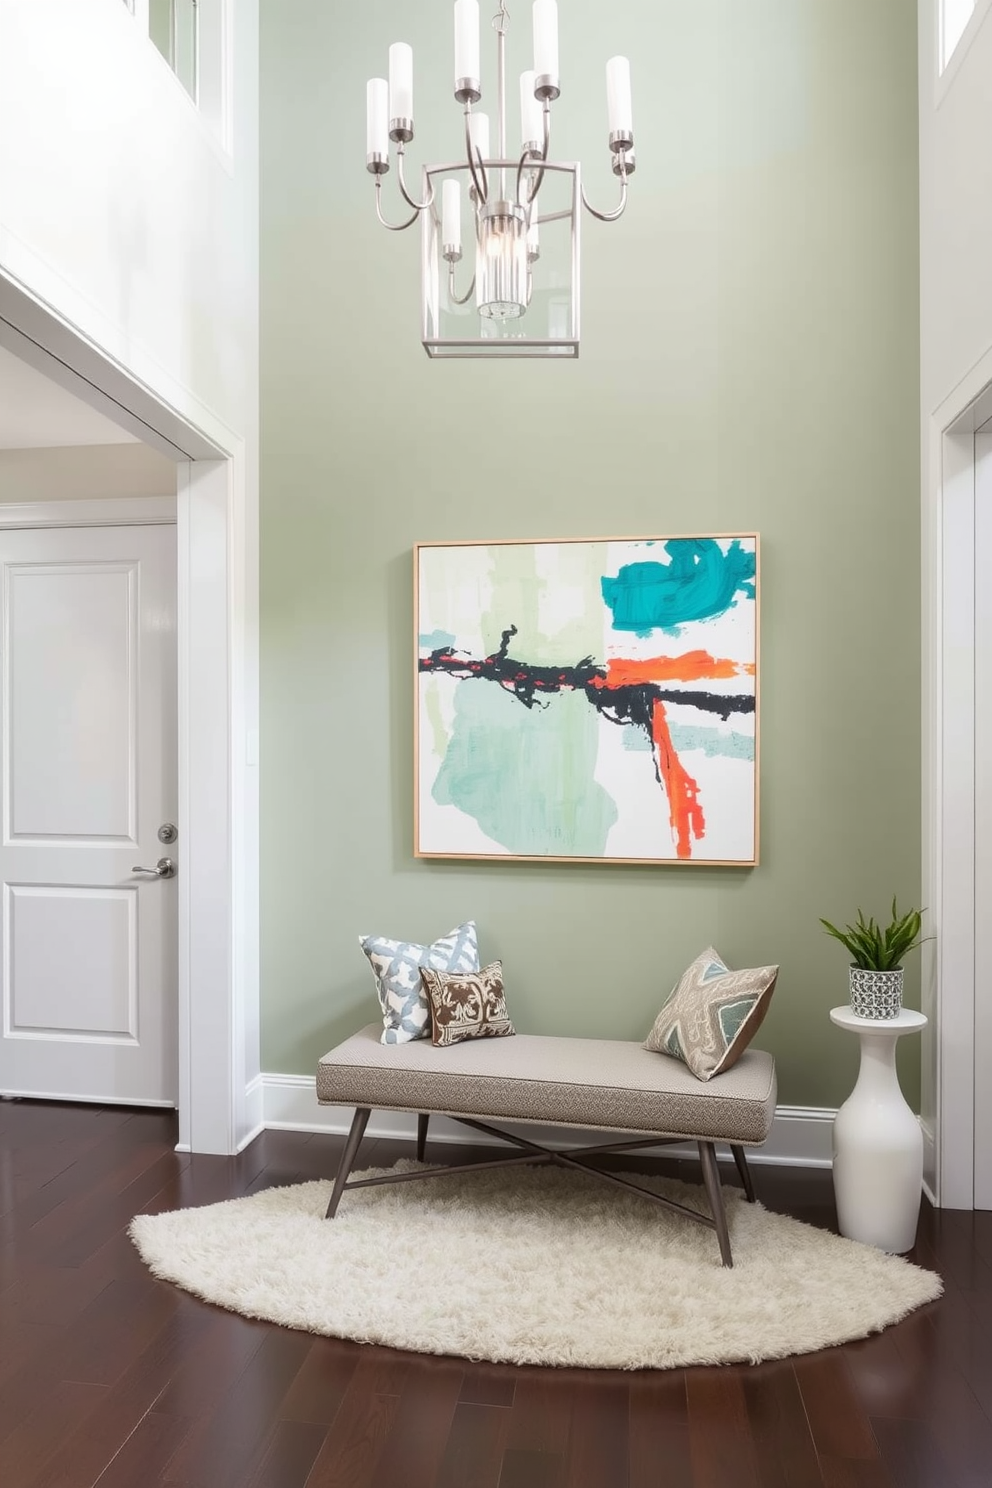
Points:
[(876, 994)]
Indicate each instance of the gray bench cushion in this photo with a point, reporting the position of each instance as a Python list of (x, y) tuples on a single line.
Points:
[(602, 1083)]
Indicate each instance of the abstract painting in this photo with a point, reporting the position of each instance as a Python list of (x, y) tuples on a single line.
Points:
[(588, 700)]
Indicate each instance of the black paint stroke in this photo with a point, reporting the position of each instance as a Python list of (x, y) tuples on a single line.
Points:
[(630, 704)]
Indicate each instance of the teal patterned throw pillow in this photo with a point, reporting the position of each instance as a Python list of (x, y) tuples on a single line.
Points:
[(712, 1014), (396, 967)]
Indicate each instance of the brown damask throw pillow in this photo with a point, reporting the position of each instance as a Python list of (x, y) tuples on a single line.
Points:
[(466, 1005)]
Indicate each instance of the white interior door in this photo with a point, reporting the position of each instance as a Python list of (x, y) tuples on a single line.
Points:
[(88, 945)]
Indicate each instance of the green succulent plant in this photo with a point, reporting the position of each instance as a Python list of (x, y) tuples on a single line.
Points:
[(875, 949)]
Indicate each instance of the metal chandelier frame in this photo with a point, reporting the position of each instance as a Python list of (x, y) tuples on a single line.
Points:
[(489, 189)]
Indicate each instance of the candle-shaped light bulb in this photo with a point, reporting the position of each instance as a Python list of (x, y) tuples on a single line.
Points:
[(466, 40), (546, 38), (533, 234), (531, 127), (480, 134), (400, 81), (377, 117), (451, 219), (618, 97)]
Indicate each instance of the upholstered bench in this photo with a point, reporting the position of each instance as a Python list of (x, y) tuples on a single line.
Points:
[(570, 1082)]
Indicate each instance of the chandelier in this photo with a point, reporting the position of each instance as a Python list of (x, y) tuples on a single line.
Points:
[(519, 296)]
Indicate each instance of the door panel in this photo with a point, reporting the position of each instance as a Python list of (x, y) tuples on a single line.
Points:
[(87, 738), (72, 644), (72, 962)]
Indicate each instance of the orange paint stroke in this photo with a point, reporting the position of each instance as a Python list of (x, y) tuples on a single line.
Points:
[(693, 666), (685, 812)]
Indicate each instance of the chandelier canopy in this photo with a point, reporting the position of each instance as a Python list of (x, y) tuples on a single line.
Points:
[(524, 208)]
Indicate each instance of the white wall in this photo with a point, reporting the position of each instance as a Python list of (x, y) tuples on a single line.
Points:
[(119, 209), (129, 242)]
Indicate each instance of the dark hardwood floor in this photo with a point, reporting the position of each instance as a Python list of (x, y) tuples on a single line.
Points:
[(108, 1376)]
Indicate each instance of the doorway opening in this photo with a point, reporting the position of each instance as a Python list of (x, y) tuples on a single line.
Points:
[(218, 1091)]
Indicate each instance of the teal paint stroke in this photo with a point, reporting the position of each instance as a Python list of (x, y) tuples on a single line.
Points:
[(526, 774), (436, 641), (699, 582), (712, 741), (636, 740)]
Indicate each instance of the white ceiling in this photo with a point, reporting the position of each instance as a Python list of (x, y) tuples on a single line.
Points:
[(35, 413)]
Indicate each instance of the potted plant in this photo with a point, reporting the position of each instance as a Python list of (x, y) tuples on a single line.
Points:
[(877, 954)]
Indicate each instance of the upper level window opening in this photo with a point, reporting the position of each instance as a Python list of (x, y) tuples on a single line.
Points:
[(954, 16), (174, 27)]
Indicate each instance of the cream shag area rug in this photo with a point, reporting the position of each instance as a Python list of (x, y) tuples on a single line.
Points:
[(533, 1266)]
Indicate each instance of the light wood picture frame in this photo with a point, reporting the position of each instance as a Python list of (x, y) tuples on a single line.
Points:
[(588, 700)]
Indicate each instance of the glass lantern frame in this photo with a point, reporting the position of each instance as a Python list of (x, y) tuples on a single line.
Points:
[(433, 271)]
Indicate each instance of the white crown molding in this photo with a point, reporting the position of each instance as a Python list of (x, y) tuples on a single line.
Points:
[(801, 1136)]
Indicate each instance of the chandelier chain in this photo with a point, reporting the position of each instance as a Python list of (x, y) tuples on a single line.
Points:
[(501, 19)]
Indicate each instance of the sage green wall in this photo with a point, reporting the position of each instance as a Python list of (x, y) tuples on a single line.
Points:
[(749, 361)]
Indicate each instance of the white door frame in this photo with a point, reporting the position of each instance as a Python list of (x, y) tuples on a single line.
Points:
[(216, 518), (951, 1042)]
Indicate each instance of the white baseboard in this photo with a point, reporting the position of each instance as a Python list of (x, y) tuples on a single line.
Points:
[(800, 1136)]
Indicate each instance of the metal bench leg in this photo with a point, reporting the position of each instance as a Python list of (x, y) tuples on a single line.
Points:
[(422, 1122), (358, 1125), (741, 1160), (711, 1177)]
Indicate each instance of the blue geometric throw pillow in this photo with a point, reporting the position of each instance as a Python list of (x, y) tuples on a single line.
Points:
[(396, 967), (712, 1014)]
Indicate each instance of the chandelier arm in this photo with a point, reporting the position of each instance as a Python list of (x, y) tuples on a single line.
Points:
[(527, 160), (417, 206), (617, 211), (392, 226), (459, 299), (532, 156), (481, 186)]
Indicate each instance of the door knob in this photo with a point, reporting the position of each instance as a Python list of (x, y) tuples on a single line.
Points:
[(164, 868)]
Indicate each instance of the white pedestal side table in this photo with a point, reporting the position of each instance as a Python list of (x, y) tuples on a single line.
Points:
[(878, 1143)]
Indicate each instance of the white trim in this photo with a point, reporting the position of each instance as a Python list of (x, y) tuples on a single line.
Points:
[(124, 511), (215, 66), (981, 865), (948, 785), (254, 1111), (801, 1136), (51, 342), (929, 1160)]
